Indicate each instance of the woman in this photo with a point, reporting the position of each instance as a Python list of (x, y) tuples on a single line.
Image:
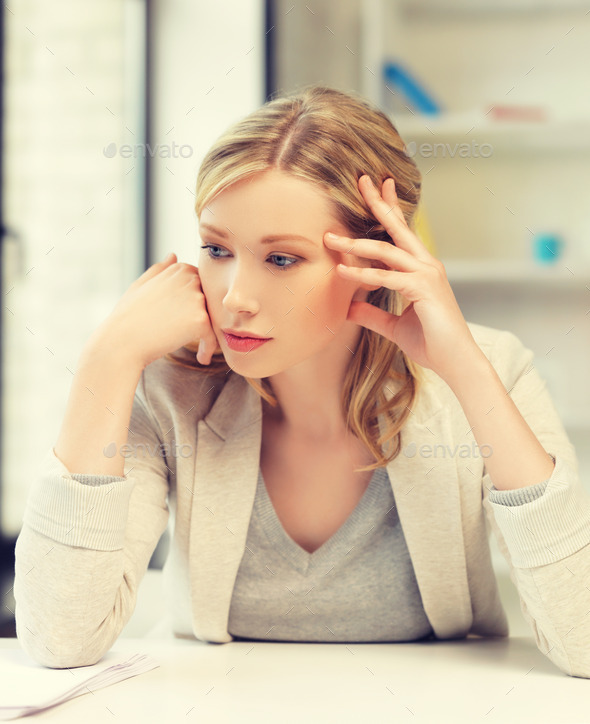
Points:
[(310, 499)]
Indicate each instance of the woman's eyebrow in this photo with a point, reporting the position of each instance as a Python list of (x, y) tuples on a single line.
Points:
[(265, 240)]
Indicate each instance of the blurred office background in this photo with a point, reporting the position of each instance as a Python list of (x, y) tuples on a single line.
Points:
[(108, 107)]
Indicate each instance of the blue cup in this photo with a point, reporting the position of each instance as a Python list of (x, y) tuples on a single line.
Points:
[(547, 248)]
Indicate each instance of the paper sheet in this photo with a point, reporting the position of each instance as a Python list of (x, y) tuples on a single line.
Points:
[(27, 687)]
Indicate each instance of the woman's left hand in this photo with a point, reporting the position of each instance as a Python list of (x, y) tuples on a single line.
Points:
[(431, 330)]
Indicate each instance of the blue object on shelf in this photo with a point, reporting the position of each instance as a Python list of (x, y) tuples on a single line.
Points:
[(401, 79), (547, 248)]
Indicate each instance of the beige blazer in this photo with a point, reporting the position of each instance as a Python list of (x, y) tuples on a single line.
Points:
[(206, 483)]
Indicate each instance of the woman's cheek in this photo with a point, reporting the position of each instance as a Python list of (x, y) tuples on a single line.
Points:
[(332, 302)]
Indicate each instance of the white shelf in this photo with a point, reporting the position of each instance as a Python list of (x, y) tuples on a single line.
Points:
[(566, 133), (575, 276)]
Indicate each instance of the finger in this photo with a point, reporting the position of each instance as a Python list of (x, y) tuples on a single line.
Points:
[(391, 216), (382, 251), (167, 261), (397, 281), (374, 318), (389, 195), (208, 345), (203, 355), (156, 268)]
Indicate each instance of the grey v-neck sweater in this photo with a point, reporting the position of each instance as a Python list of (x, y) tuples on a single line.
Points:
[(358, 586)]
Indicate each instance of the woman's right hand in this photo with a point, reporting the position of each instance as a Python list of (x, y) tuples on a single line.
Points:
[(162, 310)]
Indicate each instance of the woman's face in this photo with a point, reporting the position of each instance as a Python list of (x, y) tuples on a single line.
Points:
[(286, 289)]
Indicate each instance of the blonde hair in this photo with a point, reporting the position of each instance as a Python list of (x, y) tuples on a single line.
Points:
[(330, 138)]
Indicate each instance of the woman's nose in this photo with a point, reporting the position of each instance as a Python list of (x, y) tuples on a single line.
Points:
[(242, 292)]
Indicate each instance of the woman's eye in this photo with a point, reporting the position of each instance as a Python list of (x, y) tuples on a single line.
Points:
[(289, 259), (209, 247)]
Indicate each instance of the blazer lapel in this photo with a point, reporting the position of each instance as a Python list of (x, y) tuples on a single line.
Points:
[(425, 485), (226, 474)]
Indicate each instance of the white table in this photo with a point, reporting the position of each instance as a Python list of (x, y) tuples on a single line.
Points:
[(469, 680)]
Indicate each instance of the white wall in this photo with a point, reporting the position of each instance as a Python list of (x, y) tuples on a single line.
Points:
[(66, 72), (208, 61)]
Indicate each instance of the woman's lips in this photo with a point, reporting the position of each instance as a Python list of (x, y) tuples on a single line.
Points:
[(243, 344)]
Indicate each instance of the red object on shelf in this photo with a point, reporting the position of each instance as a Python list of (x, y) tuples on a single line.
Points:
[(517, 113)]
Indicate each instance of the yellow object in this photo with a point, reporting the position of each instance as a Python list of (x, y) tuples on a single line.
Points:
[(422, 229)]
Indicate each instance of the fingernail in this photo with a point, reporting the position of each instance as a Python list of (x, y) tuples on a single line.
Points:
[(331, 236)]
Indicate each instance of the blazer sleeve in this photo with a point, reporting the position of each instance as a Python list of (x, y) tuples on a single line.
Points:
[(84, 546), (544, 532)]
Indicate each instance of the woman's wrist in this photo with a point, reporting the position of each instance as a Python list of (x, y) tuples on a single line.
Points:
[(104, 346)]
